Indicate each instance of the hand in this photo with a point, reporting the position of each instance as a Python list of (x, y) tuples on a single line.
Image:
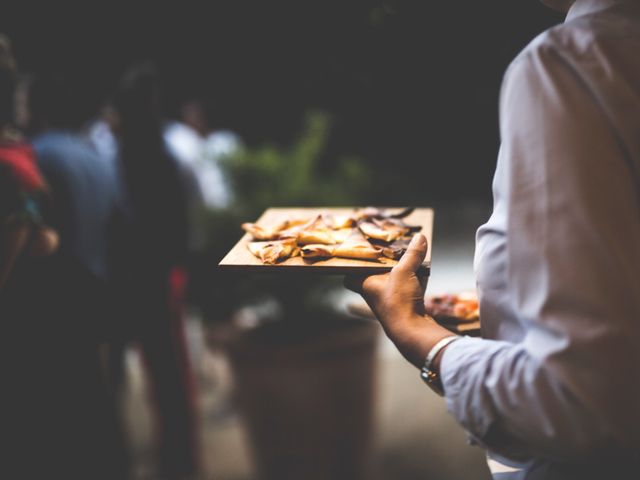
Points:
[(44, 241), (397, 300), (37, 241)]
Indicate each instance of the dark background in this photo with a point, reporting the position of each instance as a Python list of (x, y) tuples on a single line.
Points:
[(412, 86)]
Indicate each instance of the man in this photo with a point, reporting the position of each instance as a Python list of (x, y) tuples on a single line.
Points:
[(85, 185), (552, 390)]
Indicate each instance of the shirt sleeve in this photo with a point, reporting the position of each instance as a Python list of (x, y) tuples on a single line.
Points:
[(571, 386)]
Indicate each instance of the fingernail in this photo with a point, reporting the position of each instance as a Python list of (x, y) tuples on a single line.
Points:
[(417, 240)]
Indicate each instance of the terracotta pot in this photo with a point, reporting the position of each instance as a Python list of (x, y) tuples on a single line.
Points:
[(306, 396)]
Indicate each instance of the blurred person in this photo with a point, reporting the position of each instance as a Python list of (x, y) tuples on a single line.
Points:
[(199, 147), (99, 133), (58, 419), (183, 144), (85, 200), (199, 144), (85, 183), (551, 391), (148, 259), (22, 188)]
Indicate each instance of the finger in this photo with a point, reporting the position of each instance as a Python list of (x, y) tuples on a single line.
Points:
[(414, 256)]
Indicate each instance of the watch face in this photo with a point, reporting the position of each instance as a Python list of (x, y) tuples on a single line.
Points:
[(431, 379)]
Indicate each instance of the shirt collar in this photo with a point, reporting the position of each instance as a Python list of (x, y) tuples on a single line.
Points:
[(585, 7)]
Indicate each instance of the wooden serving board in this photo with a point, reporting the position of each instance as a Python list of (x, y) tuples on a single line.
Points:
[(461, 327), (240, 258)]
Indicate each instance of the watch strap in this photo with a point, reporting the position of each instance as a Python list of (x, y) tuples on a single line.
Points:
[(430, 377)]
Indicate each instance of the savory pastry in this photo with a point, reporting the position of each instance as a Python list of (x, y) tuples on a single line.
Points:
[(317, 251), (338, 222), (317, 232), (342, 234), (357, 246), (396, 249), (365, 234), (291, 228), (401, 214), (285, 229), (373, 212), (260, 233), (386, 230), (274, 251)]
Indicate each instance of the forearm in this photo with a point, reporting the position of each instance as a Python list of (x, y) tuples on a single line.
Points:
[(542, 401), (414, 338)]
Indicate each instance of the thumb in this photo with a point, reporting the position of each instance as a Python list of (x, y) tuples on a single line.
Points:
[(414, 256)]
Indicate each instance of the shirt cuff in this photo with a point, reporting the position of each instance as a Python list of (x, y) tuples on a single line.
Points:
[(463, 381)]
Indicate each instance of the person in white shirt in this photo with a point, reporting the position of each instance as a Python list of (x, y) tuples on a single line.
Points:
[(552, 390), (199, 150)]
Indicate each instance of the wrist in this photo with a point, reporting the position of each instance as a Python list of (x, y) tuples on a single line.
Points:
[(417, 337), (430, 371)]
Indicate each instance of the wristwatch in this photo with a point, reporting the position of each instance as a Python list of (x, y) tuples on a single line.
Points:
[(430, 377)]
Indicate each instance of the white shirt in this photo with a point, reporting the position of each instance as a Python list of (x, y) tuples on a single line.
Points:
[(556, 378), (201, 156)]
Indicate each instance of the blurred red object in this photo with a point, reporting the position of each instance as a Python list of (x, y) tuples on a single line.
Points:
[(20, 159), (460, 307)]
